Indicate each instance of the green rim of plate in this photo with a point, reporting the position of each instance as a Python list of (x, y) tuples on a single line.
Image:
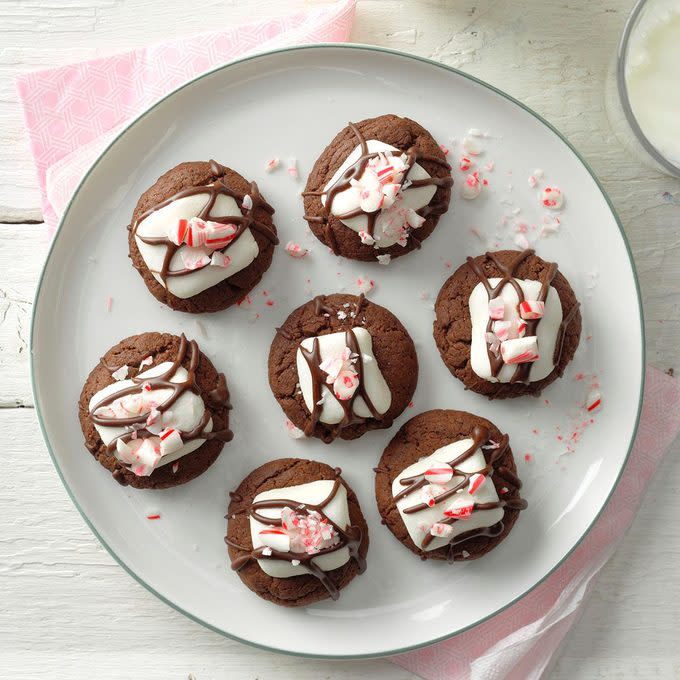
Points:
[(403, 55)]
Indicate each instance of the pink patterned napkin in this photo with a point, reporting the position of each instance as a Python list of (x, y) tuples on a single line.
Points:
[(520, 643), (73, 112)]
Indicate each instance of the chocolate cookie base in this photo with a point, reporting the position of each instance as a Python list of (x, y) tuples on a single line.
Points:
[(392, 347), (421, 436), (227, 292), (162, 347), (295, 591), (402, 133), (453, 327)]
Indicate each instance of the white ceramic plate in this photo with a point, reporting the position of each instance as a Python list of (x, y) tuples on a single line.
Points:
[(291, 103)]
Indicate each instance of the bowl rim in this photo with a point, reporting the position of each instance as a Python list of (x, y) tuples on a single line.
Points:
[(624, 98)]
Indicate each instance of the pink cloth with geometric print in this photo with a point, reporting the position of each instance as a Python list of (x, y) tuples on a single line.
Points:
[(520, 643), (73, 112)]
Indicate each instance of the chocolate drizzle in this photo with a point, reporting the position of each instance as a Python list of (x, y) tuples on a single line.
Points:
[(245, 220), (492, 469), (349, 536), (136, 424), (522, 371), (357, 169)]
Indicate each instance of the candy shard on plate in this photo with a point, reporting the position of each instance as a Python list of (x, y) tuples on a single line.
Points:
[(294, 432), (552, 198), (384, 259), (594, 401), (472, 186), (272, 164), (296, 250)]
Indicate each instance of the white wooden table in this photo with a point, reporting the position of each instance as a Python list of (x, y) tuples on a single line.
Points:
[(67, 611)]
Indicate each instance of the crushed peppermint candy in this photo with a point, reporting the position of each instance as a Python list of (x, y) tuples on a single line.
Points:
[(441, 530), (364, 285), (292, 168), (220, 259), (472, 186), (384, 259), (272, 164), (441, 473), (366, 238), (465, 163), (294, 432), (520, 350), (594, 401), (472, 146), (307, 533), (552, 198), (340, 373), (147, 361), (460, 508), (296, 250), (121, 373), (247, 202)]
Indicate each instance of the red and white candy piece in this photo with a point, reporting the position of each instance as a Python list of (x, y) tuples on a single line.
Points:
[(441, 530), (496, 308), (552, 198), (461, 508), (345, 385), (439, 473), (218, 235), (220, 259), (247, 202), (120, 373), (472, 186), (494, 343), (429, 493), (294, 432), (366, 238), (413, 219), (531, 309), (272, 164), (292, 168), (594, 401), (146, 457), (171, 441), (471, 146), (520, 350), (275, 538), (508, 330), (296, 250), (475, 482), (194, 260), (465, 163)]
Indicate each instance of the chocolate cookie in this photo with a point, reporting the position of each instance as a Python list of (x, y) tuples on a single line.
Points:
[(507, 323), (154, 411), (201, 237), (341, 365), (447, 486), (295, 532), (378, 189)]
